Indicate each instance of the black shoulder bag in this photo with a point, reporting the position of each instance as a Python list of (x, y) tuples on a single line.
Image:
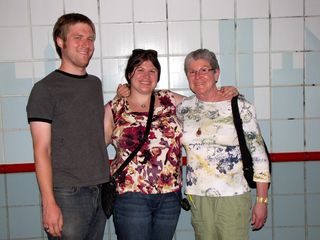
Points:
[(245, 153), (108, 191)]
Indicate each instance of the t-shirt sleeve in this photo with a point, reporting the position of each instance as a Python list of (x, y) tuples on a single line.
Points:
[(40, 105)]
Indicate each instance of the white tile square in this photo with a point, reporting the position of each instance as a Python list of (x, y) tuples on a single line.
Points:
[(312, 135), (252, 8), (211, 35), (287, 34), (149, 10), (44, 12), (287, 135), (261, 75), (177, 75), (184, 37), (312, 7), (219, 36), (43, 68), (12, 15), (261, 37), (1, 155), (262, 102), (312, 100), (117, 39), (151, 36), (85, 7), (12, 139), (312, 67), (113, 73), (287, 68), (116, 11), (164, 77), (217, 9), (94, 67), (43, 45), (16, 78), (287, 102), (253, 35), (286, 8), (12, 47), (312, 33), (183, 10)]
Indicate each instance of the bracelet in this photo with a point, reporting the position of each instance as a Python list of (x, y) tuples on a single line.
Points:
[(262, 200)]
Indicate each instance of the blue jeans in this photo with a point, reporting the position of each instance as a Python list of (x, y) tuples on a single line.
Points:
[(83, 217), (140, 216)]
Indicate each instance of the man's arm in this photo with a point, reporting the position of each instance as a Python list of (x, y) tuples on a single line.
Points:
[(51, 213)]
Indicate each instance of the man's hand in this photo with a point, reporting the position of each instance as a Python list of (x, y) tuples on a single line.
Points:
[(123, 90), (52, 219)]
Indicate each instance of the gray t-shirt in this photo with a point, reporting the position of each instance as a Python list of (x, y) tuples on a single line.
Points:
[(73, 105)]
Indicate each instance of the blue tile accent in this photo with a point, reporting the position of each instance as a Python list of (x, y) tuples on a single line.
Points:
[(24, 222), (282, 172), (289, 211), (294, 233), (22, 189), (313, 209), (313, 177)]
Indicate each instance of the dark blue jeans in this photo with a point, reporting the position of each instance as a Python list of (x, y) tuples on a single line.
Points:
[(140, 216), (83, 217)]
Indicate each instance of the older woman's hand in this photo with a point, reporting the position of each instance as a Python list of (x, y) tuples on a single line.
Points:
[(229, 91)]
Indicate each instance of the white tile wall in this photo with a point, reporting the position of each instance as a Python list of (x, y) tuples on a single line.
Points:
[(252, 8), (217, 9), (149, 10), (312, 33), (269, 49), (45, 12), (286, 34), (312, 7), (16, 45), (116, 11), (183, 10), (83, 6), (285, 8), (117, 39), (183, 37), (11, 15), (152, 36)]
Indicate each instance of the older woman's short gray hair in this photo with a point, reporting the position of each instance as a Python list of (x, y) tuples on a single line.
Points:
[(204, 54)]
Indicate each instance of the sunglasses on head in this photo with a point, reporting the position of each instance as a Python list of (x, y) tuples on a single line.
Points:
[(148, 51)]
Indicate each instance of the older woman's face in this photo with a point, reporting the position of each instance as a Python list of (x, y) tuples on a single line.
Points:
[(201, 77), (144, 78)]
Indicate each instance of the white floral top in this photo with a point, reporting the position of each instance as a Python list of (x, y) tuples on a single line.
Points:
[(214, 160)]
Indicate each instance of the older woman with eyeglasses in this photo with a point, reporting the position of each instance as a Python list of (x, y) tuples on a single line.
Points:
[(219, 194), (147, 204)]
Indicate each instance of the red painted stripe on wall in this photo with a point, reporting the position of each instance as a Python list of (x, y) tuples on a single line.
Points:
[(275, 157)]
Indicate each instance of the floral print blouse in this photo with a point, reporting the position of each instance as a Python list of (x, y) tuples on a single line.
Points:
[(157, 166), (214, 160)]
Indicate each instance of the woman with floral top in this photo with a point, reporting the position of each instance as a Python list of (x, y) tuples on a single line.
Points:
[(147, 204), (220, 195)]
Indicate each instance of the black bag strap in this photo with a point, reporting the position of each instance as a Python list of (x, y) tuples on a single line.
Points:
[(145, 136), (246, 161)]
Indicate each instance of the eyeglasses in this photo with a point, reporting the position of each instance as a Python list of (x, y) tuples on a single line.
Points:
[(148, 51), (201, 71)]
